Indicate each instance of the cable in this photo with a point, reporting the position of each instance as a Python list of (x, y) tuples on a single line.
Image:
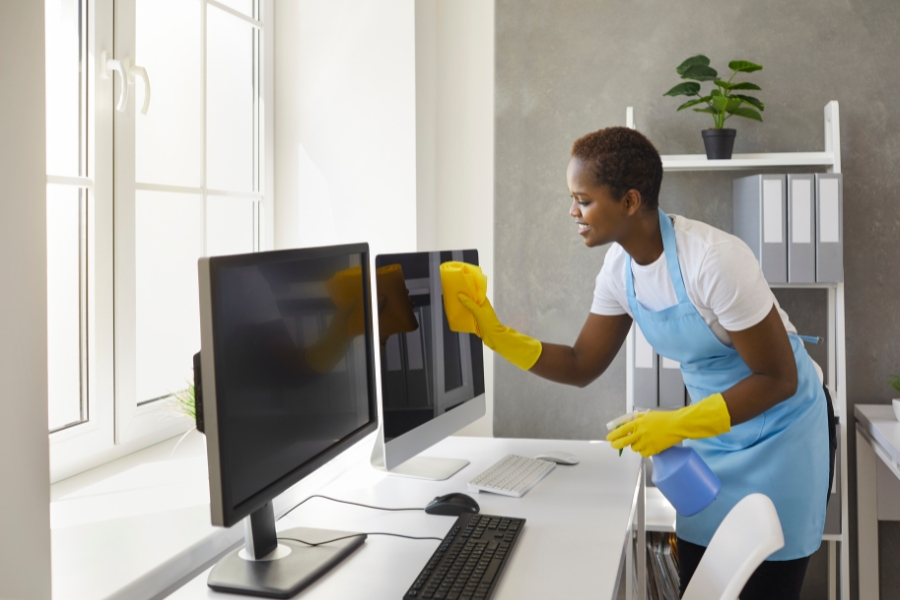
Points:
[(409, 537), (345, 502)]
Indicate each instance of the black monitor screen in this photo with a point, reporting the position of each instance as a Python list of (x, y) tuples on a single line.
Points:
[(426, 369), (292, 363)]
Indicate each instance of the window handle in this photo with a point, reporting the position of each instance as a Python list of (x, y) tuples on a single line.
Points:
[(110, 66), (142, 73)]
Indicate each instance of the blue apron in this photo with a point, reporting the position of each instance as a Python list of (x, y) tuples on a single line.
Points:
[(780, 453)]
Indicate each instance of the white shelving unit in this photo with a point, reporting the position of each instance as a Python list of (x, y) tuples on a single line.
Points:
[(836, 380)]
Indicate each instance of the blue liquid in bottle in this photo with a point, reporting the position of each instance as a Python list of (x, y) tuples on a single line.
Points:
[(685, 480)]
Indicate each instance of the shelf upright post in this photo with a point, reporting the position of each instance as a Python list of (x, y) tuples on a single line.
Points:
[(629, 341), (833, 135), (837, 355)]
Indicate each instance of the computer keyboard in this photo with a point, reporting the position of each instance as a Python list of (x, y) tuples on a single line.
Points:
[(468, 563), (512, 475)]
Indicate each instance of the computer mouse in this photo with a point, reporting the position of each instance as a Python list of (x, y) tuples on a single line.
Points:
[(560, 458), (452, 505)]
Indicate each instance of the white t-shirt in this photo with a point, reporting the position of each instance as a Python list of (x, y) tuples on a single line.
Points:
[(722, 277)]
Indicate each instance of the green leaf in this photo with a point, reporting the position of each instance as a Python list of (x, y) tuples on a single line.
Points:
[(744, 66), (695, 102), (744, 85), (751, 100), (894, 381), (724, 84), (720, 103), (688, 88), (694, 60), (705, 110), (700, 73), (733, 103), (716, 92), (747, 112)]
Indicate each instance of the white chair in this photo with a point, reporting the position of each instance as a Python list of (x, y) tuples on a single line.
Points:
[(748, 535)]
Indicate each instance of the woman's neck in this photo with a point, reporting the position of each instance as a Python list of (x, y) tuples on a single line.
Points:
[(643, 241)]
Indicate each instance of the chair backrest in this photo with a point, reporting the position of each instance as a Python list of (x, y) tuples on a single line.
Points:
[(748, 535)]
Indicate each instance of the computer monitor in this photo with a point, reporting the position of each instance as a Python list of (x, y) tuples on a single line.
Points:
[(432, 379), (288, 383)]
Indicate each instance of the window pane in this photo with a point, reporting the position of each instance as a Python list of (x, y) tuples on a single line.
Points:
[(230, 223), (168, 137), (229, 102), (64, 277), (64, 89), (169, 240)]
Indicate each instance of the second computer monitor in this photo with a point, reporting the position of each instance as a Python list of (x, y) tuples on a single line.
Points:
[(432, 379)]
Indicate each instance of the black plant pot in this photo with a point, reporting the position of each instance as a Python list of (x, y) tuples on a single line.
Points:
[(719, 143)]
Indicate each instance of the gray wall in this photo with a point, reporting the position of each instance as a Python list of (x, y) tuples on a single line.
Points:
[(567, 67), (24, 452)]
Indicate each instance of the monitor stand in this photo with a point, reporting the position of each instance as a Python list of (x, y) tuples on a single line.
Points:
[(431, 468), (273, 566), (428, 467)]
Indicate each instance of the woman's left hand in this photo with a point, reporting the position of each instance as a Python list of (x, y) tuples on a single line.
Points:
[(653, 432)]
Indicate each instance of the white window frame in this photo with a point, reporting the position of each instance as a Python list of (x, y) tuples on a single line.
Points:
[(115, 424)]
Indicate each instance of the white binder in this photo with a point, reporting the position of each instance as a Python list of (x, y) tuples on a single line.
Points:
[(671, 384), (760, 218), (829, 227), (801, 207), (646, 367)]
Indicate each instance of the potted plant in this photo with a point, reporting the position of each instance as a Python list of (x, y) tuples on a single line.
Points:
[(894, 381), (185, 402), (722, 102)]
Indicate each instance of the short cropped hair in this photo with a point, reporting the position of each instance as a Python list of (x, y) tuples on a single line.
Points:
[(622, 159)]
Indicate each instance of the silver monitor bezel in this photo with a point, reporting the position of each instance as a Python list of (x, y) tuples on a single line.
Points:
[(391, 454)]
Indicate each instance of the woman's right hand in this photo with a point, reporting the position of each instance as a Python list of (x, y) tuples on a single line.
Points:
[(517, 348)]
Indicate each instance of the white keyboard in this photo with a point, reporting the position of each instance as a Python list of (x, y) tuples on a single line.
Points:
[(512, 475)]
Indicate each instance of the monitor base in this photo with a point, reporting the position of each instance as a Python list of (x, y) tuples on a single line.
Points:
[(286, 570), (429, 467)]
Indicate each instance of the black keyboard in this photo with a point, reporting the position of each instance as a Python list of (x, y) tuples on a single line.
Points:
[(468, 563)]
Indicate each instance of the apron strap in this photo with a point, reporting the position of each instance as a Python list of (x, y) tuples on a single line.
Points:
[(668, 239)]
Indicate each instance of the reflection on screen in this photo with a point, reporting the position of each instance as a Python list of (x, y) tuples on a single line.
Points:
[(290, 338), (426, 369)]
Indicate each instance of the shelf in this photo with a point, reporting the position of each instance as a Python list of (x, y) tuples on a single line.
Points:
[(699, 162), (804, 286), (660, 514)]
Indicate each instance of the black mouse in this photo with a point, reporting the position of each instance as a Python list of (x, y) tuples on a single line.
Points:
[(452, 505)]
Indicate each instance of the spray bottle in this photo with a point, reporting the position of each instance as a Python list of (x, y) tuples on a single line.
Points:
[(680, 474)]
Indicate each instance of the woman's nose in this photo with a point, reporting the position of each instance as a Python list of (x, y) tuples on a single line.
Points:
[(573, 210)]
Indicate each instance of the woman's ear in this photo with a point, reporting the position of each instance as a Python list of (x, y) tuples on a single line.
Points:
[(633, 202)]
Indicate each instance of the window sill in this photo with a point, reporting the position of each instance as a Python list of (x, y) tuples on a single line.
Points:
[(139, 527)]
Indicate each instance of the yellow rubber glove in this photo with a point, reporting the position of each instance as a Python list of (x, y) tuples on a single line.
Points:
[(517, 348), (346, 291), (334, 342), (462, 278), (655, 431)]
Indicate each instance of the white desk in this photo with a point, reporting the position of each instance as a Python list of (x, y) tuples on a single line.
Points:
[(877, 486), (579, 520)]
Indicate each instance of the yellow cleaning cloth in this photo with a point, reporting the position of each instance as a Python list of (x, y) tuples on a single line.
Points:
[(462, 278), (395, 314)]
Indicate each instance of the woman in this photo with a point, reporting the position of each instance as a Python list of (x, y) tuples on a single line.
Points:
[(759, 415)]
